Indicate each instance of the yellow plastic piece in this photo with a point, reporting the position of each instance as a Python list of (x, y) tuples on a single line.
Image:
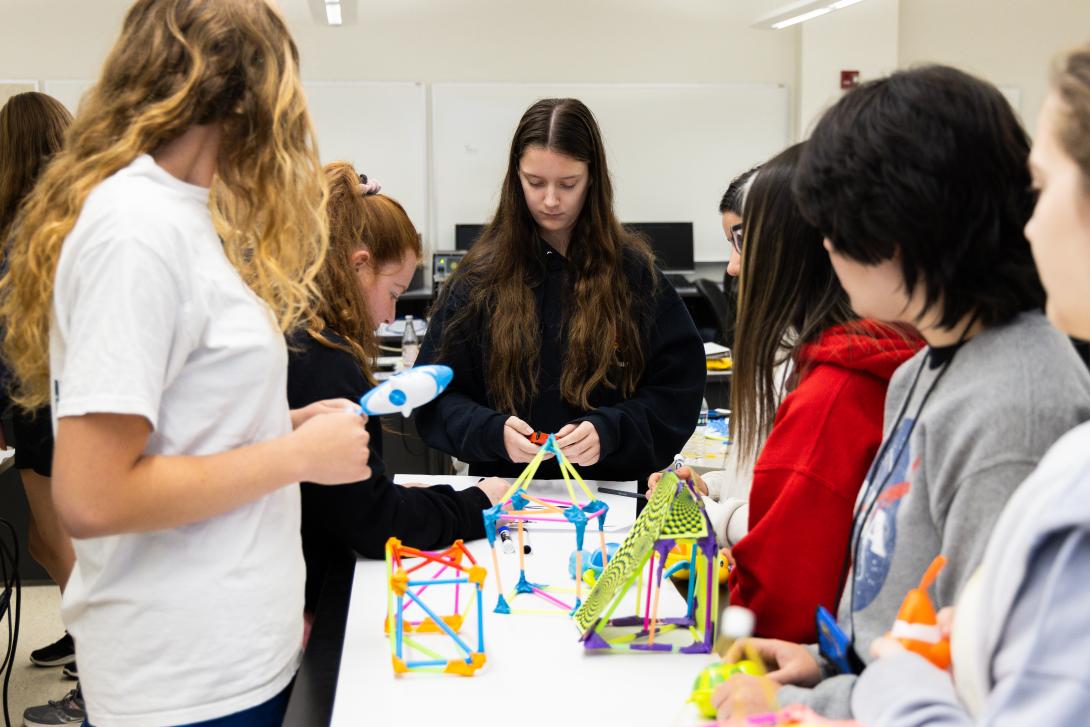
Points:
[(590, 578), (712, 676), (428, 626), (683, 553), (477, 574), (399, 665), (399, 582), (461, 668)]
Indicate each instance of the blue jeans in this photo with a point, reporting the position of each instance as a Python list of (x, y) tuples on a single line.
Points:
[(268, 714)]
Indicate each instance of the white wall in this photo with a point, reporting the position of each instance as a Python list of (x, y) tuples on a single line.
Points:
[(670, 41), (861, 37), (1009, 42)]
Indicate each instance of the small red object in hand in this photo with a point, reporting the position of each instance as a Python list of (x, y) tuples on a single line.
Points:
[(539, 438)]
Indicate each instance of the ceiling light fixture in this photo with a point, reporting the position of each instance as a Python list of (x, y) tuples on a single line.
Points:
[(333, 12), (799, 12)]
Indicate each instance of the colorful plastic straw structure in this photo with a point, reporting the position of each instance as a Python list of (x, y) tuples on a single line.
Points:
[(408, 582), (519, 507), (674, 515)]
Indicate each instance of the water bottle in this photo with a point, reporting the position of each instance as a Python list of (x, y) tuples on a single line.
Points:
[(699, 443), (410, 345)]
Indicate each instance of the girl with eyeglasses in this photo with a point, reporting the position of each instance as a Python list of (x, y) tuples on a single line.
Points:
[(812, 451)]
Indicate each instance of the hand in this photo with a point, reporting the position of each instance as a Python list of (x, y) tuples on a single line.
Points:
[(884, 646), (652, 481), (787, 663), (684, 473), (519, 448), (372, 186), (332, 448), (945, 619), (743, 695), (494, 487), (579, 443), (325, 406)]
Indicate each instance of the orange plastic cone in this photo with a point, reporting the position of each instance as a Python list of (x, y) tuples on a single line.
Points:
[(917, 626)]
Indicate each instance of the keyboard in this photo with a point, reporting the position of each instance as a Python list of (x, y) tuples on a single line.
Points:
[(678, 280)]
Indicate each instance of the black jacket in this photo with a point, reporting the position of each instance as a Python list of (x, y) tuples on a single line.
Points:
[(639, 435), (360, 517)]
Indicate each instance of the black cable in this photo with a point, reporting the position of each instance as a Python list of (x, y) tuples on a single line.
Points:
[(12, 587)]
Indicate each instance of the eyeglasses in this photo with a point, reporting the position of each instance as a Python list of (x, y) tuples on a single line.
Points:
[(736, 237)]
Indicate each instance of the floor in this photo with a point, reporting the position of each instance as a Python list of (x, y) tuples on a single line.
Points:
[(40, 624)]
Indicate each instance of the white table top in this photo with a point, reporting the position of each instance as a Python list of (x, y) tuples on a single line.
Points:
[(537, 671)]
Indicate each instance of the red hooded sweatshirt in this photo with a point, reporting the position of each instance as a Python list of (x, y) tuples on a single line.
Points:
[(825, 435)]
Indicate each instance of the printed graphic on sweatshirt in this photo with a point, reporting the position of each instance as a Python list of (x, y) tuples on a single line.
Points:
[(879, 538)]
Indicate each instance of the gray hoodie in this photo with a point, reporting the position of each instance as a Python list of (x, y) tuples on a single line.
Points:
[(1022, 640), (938, 487)]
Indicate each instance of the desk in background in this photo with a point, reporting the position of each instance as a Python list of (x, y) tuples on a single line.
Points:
[(417, 303)]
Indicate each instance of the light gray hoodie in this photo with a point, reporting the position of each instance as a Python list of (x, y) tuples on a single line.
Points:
[(1009, 394), (1022, 628)]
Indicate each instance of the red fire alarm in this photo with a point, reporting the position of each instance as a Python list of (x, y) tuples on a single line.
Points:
[(849, 79)]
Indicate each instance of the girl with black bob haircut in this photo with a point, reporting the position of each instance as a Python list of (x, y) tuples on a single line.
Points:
[(557, 321), (919, 183), (1029, 595), (906, 169)]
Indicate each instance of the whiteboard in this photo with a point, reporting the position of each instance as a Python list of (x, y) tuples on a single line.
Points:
[(672, 149), (381, 129), (9, 88), (68, 92)]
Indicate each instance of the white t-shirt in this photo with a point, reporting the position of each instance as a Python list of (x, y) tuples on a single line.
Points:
[(150, 318)]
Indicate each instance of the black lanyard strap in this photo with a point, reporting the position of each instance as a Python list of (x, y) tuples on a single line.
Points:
[(866, 504)]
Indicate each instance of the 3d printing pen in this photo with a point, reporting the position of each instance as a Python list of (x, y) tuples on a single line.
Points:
[(406, 391)]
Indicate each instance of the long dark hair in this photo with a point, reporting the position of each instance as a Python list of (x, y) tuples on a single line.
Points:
[(604, 325), (32, 128), (788, 291)]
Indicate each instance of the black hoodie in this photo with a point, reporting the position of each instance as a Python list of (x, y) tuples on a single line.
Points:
[(361, 516), (638, 435)]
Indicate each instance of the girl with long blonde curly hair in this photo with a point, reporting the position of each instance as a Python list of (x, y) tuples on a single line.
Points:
[(151, 276)]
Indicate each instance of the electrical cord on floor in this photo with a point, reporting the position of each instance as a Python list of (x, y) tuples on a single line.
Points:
[(11, 594)]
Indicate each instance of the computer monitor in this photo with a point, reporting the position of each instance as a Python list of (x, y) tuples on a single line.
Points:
[(443, 264), (466, 235), (672, 243)]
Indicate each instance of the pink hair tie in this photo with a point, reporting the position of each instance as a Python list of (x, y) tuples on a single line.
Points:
[(369, 186)]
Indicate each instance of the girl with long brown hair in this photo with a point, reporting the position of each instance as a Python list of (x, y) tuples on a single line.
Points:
[(812, 451), (558, 321), (373, 253), (32, 129), (151, 274)]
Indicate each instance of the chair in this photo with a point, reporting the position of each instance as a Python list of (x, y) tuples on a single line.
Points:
[(724, 306)]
